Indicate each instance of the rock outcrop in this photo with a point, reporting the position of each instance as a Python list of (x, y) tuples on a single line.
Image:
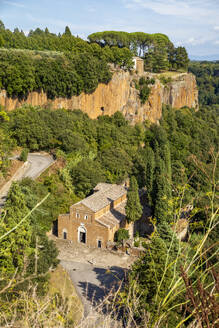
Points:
[(120, 94)]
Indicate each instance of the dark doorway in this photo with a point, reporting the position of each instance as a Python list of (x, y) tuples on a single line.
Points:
[(55, 228), (82, 237), (99, 244), (64, 235)]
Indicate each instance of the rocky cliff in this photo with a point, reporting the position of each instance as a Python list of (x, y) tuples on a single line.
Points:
[(120, 94)]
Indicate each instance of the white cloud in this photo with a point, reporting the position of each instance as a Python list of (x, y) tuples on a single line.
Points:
[(196, 41), (194, 9), (216, 42), (216, 28), (14, 4)]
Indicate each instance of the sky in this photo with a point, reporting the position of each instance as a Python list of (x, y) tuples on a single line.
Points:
[(191, 23)]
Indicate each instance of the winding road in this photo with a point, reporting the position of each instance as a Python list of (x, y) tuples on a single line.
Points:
[(36, 164)]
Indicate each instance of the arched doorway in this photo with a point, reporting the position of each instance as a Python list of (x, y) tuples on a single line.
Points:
[(82, 235)]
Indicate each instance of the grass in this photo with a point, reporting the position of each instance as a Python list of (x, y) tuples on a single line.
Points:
[(42, 53), (167, 74), (60, 283)]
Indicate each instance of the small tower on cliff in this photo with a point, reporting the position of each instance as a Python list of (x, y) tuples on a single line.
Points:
[(138, 65)]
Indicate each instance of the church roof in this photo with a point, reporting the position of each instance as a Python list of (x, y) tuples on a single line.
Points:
[(104, 194), (114, 216)]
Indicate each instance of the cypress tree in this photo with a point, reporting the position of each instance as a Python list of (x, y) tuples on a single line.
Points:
[(67, 31), (161, 193), (149, 172), (133, 207)]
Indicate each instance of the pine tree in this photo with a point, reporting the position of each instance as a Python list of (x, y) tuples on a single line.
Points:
[(133, 207)]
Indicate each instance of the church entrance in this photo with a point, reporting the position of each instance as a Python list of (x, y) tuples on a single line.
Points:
[(82, 235)]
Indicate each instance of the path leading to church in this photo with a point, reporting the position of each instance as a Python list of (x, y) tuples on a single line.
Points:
[(95, 273)]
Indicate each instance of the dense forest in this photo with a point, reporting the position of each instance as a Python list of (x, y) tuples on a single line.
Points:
[(176, 161), (207, 76), (65, 65)]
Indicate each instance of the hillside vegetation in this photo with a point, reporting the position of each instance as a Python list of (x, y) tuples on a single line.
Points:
[(65, 65), (207, 77), (176, 161)]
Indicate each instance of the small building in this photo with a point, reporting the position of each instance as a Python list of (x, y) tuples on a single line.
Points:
[(138, 65), (94, 220)]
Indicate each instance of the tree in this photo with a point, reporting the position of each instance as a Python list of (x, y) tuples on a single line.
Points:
[(181, 58), (2, 41), (133, 207), (121, 234), (23, 155), (2, 26), (149, 172), (162, 193), (67, 31), (148, 280), (15, 244)]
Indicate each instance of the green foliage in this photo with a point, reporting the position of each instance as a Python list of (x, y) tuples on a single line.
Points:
[(143, 87), (144, 94), (165, 80), (207, 78), (65, 65), (133, 207), (85, 176), (23, 155), (158, 51), (120, 235), (58, 75), (58, 202), (146, 276), (15, 246), (162, 193), (6, 145)]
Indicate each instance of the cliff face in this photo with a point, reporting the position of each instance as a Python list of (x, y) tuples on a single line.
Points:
[(120, 94)]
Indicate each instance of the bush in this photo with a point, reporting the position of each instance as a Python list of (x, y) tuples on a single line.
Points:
[(121, 234), (23, 155), (144, 94), (165, 80), (143, 86), (137, 243)]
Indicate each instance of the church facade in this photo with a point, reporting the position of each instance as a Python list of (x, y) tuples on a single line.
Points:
[(94, 220)]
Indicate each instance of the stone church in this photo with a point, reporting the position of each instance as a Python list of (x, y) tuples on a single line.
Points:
[(94, 220)]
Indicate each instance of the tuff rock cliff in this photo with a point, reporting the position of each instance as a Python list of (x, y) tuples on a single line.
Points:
[(120, 94)]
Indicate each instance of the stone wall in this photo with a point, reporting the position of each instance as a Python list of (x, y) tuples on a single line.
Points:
[(94, 231), (120, 94)]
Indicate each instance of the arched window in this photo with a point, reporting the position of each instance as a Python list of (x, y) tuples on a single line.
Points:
[(64, 234)]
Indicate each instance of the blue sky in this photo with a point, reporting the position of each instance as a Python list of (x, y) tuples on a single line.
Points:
[(192, 23)]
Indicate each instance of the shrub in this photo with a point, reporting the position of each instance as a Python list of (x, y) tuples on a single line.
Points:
[(137, 243), (23, 155), (121, 234), (165, 80)]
